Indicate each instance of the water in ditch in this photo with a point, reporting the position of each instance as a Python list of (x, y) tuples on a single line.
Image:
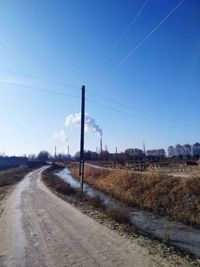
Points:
[(177, 234)]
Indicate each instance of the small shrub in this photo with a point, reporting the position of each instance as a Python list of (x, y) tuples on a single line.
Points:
[(64, 188), (120, 214), (96, 202)]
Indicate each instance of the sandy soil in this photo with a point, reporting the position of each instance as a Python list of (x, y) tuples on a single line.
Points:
[(39, 229)]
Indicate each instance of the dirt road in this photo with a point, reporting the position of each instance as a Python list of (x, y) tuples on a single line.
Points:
[(39, 229)]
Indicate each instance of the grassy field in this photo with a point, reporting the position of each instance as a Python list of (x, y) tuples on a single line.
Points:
[(178, 198)]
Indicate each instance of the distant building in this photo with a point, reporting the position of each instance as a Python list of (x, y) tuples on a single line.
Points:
[(156, 152), (134, 152)]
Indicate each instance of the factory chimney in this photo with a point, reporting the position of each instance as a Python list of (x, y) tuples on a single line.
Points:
[(144, 148), (100, 145), (55, 155)]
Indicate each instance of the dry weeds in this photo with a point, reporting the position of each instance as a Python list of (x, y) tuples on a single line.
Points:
[(175, 197), (56, 183), (11, 176)]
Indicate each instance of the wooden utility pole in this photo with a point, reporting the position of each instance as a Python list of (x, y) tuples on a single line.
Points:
[(81, 166)]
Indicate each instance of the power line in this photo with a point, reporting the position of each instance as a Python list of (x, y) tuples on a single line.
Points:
[(126, 30), (146, 38), (142, 111), (39, 78), (91, 92), (138, 117), (97, 103), (39, 89)]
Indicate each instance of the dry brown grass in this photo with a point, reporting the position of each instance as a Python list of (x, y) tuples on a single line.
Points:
[(175, 197), (11, 176)]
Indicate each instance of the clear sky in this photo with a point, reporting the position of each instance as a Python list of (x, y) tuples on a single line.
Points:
[(70, 42)]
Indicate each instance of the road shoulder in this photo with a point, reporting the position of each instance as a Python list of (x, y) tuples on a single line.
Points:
[(163, 253)]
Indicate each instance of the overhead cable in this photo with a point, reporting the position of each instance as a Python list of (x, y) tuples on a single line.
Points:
[(145, 39)]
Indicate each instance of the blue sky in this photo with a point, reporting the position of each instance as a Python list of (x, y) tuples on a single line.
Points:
[(68, 41)]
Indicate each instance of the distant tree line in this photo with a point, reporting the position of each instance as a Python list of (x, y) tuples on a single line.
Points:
[(8, 162), (45, 156), (185, 151), (134, 152), (140, 152), (88, 155)]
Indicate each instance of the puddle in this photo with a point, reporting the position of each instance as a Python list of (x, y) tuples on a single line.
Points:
[(90, 191), (179, 174), (177, 234)]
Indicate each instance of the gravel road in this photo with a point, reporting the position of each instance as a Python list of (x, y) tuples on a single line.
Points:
[(39, 229)]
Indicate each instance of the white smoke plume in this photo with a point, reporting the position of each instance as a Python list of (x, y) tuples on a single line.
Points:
[(74, 120), (61, 136)]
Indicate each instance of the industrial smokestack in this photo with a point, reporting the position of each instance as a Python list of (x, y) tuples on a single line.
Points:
[(100, 144), (144, 148), (55, 154)]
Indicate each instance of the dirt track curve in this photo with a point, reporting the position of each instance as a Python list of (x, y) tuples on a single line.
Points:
[(39, 229)]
